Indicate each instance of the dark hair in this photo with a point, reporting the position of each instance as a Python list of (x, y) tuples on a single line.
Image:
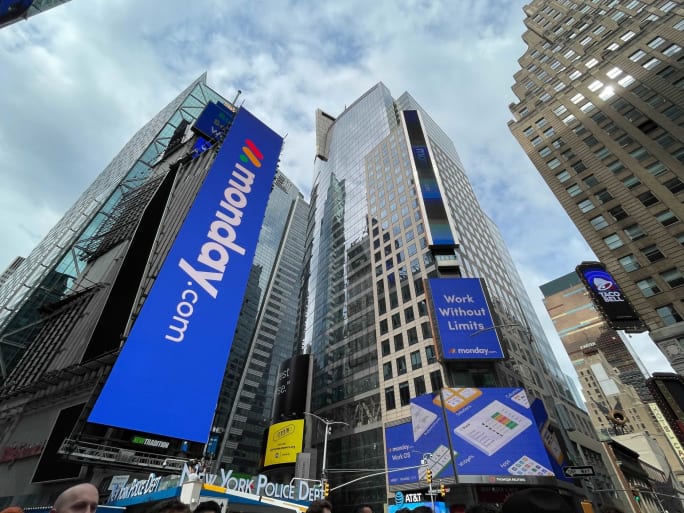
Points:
[(171, 506), (481, 508), (208, 506), (360, 507), (318, 506)]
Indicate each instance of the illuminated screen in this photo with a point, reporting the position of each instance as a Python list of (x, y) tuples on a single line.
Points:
[(438, 220), (168, 375), (284, 442), (418, 507), (464, 320), (608, 298)]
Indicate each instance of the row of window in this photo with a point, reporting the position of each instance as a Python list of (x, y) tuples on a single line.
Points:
[(405, 392), (416, 363)]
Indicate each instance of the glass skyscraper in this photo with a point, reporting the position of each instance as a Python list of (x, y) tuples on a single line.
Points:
[(372, 244)]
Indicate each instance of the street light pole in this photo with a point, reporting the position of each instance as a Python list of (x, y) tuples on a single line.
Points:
[(328, 429)]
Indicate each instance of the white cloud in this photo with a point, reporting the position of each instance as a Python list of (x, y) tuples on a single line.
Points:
[(80, 79)]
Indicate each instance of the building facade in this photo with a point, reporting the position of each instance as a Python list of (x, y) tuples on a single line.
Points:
[(114, 258), (599, 115), (373, 246)]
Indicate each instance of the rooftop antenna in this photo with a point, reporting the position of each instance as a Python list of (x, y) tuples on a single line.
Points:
[(239, 92)]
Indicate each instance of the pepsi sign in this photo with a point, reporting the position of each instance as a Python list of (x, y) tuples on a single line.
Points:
[(608, 298)]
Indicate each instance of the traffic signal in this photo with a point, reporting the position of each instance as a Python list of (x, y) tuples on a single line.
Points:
[(637, 495), (442, 490), (326, 488), (428, 475)]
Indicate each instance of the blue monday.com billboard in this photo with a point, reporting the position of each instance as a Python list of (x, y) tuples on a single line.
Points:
[(479, 431), (168, 376), (463, 318)]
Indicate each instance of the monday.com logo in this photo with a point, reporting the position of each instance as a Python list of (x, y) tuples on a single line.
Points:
[(207, 270)]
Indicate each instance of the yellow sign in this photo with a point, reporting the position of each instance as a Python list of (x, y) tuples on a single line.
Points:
[(284, 442), (672, 438)]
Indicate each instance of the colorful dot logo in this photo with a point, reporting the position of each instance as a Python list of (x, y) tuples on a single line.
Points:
[(251, 153)]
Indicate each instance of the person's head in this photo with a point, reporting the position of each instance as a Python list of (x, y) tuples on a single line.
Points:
[(536, 500), (171, 506), (322, 506), (208, 507), (81, 498), (364, 508), (481, 508), (12, 509)]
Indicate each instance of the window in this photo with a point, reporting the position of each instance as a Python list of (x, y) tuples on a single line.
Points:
[(626, 81), (396, 321), (553, 163), (541, 123), (545, 151), (419, 385), (675, 185), (563, 176), (666, 218), (652, 63), (387, 370), (401, 366), (430, 354), (404, 394), (598, 222), (416, 362), (627, 35), (577, 98), (616, 166), (384, 327), (574, 190), (586, 205), (655, 43), (673, 277), (648, 287), (398, 342), (671, 50), (631, 181), (634, 232), (669, 315), (426, 331), (390, 402), (412, 336), (613, 241), (409, 315), (590, 181), (595, 85), (652, 253), (657, 168), (436, 381), (647, 198), (536, 141), (629, 263), (618, 213), (579, 167), (614, 73), (385, 344), (638, 55), (603, 196)]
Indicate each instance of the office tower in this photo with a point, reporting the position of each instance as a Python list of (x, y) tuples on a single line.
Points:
[(668, 391), (392, 209), (610, 375), (12, 11), (142, 211), (49, 272), (599, 113), (10, 270)]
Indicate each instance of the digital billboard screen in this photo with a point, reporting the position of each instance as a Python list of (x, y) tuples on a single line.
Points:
[(493, 432), (608, 299), (431, 196), (464, 320), (424, 438), (212, 121), (418, 507), (284, 442), (168, 375)]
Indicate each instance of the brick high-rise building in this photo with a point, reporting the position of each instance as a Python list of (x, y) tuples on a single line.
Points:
[(599, 112)]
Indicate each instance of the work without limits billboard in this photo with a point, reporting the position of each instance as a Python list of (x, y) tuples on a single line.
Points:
[(478, 432), (464, 320), (168, 376)]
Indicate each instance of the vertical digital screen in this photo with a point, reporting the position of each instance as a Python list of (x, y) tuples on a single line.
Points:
[(168, 375), (213, 120), (609, 300), (464, 320), (438, 220)]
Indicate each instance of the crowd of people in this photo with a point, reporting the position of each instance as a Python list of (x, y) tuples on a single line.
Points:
[(84, 498)]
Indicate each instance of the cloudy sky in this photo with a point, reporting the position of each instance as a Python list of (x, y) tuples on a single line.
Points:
[(77, 81)]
